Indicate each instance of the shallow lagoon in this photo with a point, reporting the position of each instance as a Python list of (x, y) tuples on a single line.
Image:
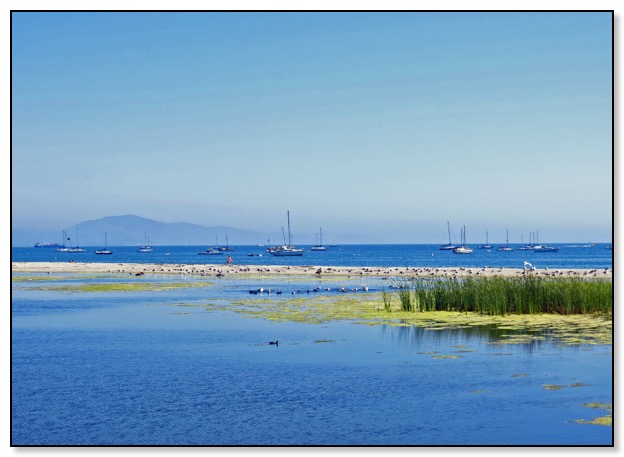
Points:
[(175, 367)]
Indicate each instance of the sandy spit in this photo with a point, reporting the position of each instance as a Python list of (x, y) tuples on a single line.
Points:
[(223, 270)]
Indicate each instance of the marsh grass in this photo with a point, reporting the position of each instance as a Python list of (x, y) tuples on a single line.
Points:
[(499, 296), (387, 300), (405, 299)]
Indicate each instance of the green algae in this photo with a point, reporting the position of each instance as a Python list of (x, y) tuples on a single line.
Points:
[(562, 386), (141, 286), (17, 279), (602, 420)]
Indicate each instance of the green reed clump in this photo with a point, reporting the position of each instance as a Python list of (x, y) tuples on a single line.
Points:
[(501, 295), (405, 298), (387, 300)]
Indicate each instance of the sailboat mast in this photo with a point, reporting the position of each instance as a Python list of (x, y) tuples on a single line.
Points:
[(288, 215)]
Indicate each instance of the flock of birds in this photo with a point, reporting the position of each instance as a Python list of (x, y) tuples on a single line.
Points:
[(341, 289)]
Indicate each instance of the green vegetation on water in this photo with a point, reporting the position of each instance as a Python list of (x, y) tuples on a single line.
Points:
[(123, 286), (603, 420), (499, 296), (366, 309)]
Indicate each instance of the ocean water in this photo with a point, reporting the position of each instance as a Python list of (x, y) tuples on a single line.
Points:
[(413, 255), (166, 368)]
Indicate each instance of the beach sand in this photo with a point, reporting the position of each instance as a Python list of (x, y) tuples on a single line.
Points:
[(323, 271)]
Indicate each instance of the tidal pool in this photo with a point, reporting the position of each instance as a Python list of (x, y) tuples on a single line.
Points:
[(193, 366)]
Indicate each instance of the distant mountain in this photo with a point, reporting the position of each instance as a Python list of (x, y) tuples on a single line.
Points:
[(130, 230)]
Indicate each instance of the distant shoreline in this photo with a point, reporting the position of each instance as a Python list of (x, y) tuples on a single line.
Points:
[(322, 271)]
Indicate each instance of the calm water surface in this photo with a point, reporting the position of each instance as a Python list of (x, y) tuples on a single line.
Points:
[(136, 368)]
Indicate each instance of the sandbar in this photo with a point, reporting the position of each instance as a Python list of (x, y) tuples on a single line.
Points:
[(246, 270)]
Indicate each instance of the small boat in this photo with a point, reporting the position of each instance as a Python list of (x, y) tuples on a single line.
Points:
[(146, 247), (286, 249), (449, 246), (463, 249), (211, 251), (610, 247), (47, 245), (320, 247), (282, 251), (105, 250), (505, 248), (545, 248), (486, 245), (215, 250)]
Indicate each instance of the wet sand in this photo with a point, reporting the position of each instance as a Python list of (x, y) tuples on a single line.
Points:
[(223, 270)]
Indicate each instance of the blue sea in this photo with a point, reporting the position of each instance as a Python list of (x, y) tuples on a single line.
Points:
[(407, 255), (168, 368)]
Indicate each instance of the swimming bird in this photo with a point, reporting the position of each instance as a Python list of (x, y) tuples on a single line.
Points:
[(276, 342)]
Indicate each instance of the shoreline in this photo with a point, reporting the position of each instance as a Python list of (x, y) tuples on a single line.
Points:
[(309, 270)]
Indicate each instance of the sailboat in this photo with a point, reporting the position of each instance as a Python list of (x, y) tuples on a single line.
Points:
[(486, 245), (319, 247), (64, 248), (216, 250), (287, 249), (105, 250), (463, 249), (544, 247), (527, 247), (146, 247), (449, 246), (227, 245), (505, 248)]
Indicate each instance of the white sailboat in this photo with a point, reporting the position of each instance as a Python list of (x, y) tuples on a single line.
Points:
[(70, 248), (216, 250), (463, 249), (319, 247), (505, 248), (287, 249), (544, 247), (487, 245), (146, 247)]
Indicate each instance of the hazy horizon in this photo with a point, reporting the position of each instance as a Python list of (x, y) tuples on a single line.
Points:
[(386, 125), (27, 237)]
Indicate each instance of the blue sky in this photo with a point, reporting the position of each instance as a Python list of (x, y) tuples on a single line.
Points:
[(384, 125)]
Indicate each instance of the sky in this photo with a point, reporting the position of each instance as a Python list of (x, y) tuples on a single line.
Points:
[(385, 125)]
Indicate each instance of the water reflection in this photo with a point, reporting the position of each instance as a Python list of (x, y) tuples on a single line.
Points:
[(505, 340)]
